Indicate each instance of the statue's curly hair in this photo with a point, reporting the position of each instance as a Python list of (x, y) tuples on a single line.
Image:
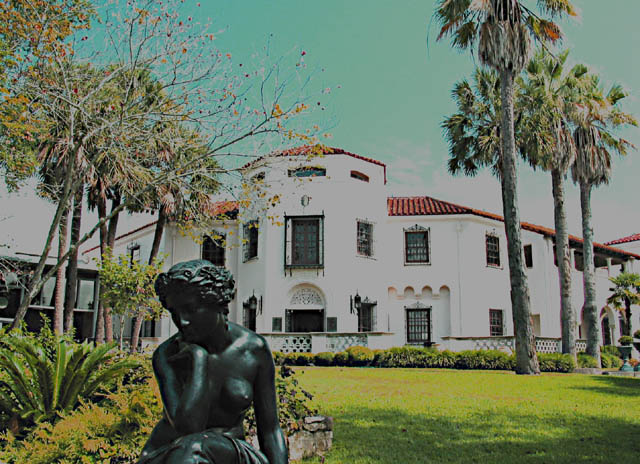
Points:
[(214, 284)]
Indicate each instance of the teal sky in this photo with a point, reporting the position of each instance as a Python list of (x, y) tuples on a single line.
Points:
[(395, 82), (390, 90)]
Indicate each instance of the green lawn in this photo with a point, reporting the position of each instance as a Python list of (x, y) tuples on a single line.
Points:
[(405, 416)]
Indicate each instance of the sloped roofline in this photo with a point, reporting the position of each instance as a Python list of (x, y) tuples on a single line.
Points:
[(319, 150), (429, 206), (628, 239)]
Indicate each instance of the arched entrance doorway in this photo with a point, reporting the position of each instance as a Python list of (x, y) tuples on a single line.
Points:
[(305, 311)]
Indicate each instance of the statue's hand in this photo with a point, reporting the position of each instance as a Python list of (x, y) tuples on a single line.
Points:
[(189, 352)]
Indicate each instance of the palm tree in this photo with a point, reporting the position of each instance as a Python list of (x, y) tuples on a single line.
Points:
[(503, 30), (598, 114), (625, 293), (548, 96)]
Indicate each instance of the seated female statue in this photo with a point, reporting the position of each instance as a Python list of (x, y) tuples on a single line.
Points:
[(209, 373)]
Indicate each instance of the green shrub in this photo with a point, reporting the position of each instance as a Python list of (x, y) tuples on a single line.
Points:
[(45, 374), (113, 430), (556, 362), (484, 359), (610, 361), (611, 349), (584, 360), (341, 358), (278, 357), (359, 356), (299, 359), (377, 354), (625, 340), (324, 358)]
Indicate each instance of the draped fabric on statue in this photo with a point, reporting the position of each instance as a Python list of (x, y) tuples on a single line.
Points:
[(197, 448)]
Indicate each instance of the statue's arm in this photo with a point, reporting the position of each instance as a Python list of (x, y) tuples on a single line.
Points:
[(270, 436), (185, 401)]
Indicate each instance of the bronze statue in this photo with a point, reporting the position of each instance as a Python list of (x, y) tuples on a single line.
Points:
[(209, 373)]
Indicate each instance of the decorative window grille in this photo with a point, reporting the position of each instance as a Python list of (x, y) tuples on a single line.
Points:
[(308, 171), (250, 242), (304, 242), (364, 243), (493, 250), (416, 245), (418, 324), (213, 251), (496, 322), (528, 256)]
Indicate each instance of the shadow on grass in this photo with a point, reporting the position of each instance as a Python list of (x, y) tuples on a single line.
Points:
[(366, 435), (617, 386)]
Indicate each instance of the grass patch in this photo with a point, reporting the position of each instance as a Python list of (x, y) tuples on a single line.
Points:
[(406, 416)]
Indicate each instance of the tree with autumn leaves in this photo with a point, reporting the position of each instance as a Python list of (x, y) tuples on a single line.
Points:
[(94, 94)]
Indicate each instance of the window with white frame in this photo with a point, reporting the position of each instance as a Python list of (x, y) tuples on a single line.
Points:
[(496, 322), (493, 250), (250, 240), (364, 242), (416, 245)]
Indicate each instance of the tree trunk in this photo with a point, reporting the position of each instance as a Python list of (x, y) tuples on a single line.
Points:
[(590, 310), (563, 258), (155, 248), (72, 266), (526, 358), (627, 315), (111, 240), (102, 213), (58, 311)]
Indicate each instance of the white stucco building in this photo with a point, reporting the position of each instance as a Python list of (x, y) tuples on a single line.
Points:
[(335, 262)]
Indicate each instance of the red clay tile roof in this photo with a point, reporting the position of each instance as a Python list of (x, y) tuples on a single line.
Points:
[(427, 206), (319, 150), (630, 238)]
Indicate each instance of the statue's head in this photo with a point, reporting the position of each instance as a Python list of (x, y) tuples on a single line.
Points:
[(214, 284)]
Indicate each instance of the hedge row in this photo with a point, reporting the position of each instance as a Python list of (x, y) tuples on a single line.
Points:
[(408, 356)]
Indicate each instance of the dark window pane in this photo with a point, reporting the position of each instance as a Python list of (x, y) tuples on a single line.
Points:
[(528, 256), (496, 326), (493, 250), (365, 239), (416, 247), (305, 241), (332, 324), (276, 324), (419, 325), (365, 318), (212, 251)]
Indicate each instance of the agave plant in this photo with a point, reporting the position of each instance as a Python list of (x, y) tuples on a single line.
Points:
[(43, 375)]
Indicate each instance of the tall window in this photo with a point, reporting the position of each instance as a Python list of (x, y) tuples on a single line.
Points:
[(213, 251), (304, 241), (364, 243), (493, 250), (418, 324), (366, 317), (250, 241), (528, 256), (496, 322), (416, 245)]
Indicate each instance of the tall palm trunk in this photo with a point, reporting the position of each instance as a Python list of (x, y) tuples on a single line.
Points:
[(568, 317), (590, 310), (155, 248), (58, 311), (72, 266), (102, 213), (111, 240), (526, 358)]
